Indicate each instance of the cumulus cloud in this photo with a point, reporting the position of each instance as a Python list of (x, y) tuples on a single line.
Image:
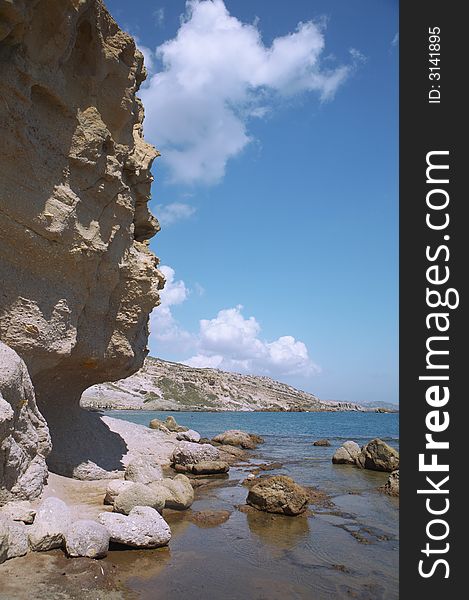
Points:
[(164, 328), (231, 342), (215, 76), (168, 214)]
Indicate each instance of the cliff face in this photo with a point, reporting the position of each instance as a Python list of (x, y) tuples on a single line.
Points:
[(78, 279), (163, 385)]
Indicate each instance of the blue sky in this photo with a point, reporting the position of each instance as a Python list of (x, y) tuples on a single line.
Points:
[(277, 188)]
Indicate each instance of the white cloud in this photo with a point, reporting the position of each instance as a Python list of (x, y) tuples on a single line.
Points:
[(231, 342), (395, 40), (171, 213), (158, 16), (217, 74), (164, 328)]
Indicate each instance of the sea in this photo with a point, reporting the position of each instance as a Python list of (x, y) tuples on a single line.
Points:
[(349, 549)]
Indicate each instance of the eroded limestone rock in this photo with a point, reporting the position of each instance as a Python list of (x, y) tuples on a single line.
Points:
[(347, 454), (378, 456), (188, 453), (13, 539), (179, 493), (139, 495), (86, 538), (24, 436), (78, 279), (144, 527), (53, 518)]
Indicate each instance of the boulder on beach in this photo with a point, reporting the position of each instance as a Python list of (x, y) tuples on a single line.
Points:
[(114, 488), (172, 425), (90, 471), (139, 495), (188, 436), (188, 453), (391, 487), (179, 493), (139, 470), (378, 456), (144, 527), (52, 520), (235, 437), (322, 442), (13, 539), (86, 538), (347, 454), (279, 494), (21, 510)]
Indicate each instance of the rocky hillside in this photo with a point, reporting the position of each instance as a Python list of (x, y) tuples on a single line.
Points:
[(162, 385)]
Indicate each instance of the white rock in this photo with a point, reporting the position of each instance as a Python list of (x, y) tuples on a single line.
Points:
[(87, 538), (347, 454), (179, 493), (139, 495), (13, 539), (52, 520), (24, 435), (90, 471), (144, 527), (19, 511), (114, 488), (141, 471), (188, 436), (188, 453)]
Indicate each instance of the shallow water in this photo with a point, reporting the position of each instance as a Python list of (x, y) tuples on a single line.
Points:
[(348, 551)]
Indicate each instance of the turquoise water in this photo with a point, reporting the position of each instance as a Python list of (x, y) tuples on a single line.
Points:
[(349, 551)]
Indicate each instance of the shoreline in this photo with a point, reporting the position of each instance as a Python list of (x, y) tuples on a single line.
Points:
[(219, 524)]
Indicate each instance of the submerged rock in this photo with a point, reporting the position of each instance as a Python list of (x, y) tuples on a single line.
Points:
[(378, 456), (391, 487), (188, 453), (347, 454), (86, 538), (235, 437), (139, 495), (322, 442), (144, 527), (210, 518), (179, 493), (279, 494), (53, 518)]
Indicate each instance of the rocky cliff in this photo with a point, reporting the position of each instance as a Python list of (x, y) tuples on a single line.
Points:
[(78, 279), (163, 385)]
